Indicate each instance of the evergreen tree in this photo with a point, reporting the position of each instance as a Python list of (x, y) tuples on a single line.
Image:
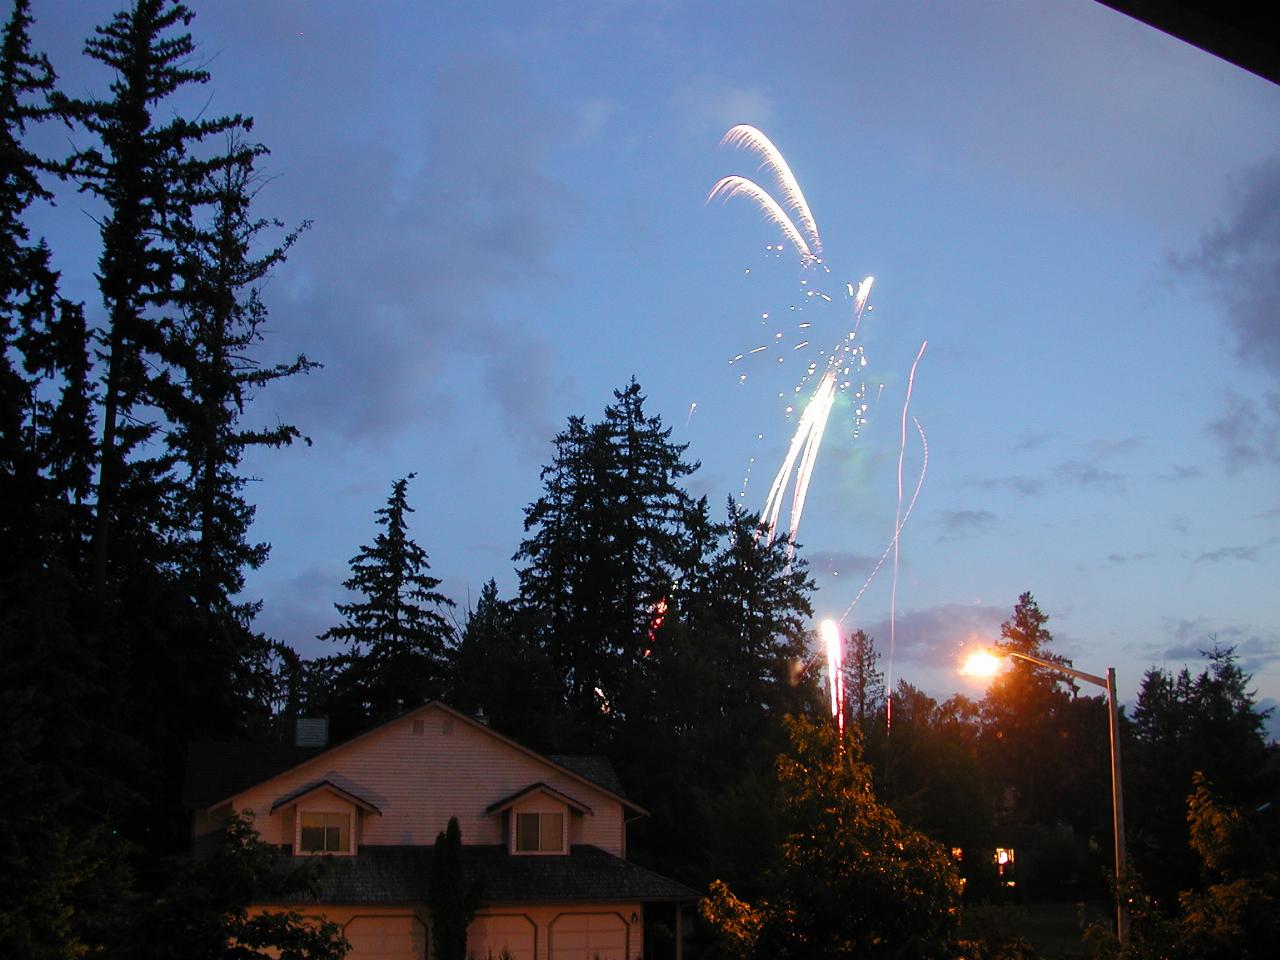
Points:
[(221, 321), (397, 640), (63, 875), (1184, 725), (605, 546), (724, 667), (863, 681), (148, 175), (496, 668), (453, 903), (1022, 716)]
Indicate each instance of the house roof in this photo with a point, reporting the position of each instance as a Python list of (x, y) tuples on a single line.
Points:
[(396, 874), (595, 768), (217, 772), (537, 788), (294, 795)]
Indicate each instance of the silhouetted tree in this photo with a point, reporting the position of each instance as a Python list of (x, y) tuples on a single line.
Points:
[(1184, 724), (851, 879), (605, 546), (397, 640), (452, 900)]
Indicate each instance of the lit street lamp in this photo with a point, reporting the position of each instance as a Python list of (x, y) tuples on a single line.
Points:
[(986, 662)]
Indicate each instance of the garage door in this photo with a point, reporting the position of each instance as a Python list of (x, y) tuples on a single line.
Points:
[(489, 936), (386, 938), (586, 936)]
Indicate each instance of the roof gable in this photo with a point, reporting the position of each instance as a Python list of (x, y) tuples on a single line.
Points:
[(542, 788), (287, 760), (328, 785)]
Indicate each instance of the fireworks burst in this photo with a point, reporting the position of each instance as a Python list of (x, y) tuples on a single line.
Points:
[(843, 362)]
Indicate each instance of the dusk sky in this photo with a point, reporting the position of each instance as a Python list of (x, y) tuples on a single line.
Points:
[(1080, 214)]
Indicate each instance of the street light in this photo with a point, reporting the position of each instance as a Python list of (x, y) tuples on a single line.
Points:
[(985, 663)]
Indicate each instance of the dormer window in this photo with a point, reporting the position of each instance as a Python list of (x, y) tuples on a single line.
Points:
[(321, 817), (324, 832), (540, 832)]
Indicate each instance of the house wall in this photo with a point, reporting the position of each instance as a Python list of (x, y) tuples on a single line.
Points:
[(421, 770), (541, 932)]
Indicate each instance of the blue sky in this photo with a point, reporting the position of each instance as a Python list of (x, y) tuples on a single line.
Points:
[(1079, 214)]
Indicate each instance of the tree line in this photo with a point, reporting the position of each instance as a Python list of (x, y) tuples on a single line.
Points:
[(646, 625)]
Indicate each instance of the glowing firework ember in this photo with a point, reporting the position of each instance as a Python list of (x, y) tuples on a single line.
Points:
[(835, 670)]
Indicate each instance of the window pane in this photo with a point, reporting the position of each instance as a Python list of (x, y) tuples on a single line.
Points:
[(338, 824), (526, 831), (312, 840), (552, 831)]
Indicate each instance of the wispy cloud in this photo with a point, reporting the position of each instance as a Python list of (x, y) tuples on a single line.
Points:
[(709, 105), (1247, 432), (1023, 485), (841, 563), (1031, 441), (1248, 554), (1239, 261), (1121, 558), (1189, 639), (938, 634), (1178, 472), (1084, 474), (958, 524)]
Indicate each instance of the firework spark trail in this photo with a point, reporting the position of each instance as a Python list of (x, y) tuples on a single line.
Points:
[(860, 302), (825, 399), (728, 187), (888, 547), (809, 432), (746, 136), (897, 531), (773, 502)]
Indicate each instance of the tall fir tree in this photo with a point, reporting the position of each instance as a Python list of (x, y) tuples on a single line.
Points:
[(1184, 724), (212, 343), (605, 547), (1023, 714), (148, 175), (398, 641), (864, 681)]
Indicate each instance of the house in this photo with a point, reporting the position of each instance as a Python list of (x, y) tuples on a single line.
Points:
[(545, 835)]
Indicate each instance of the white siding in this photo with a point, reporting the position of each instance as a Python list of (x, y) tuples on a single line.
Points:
[(419, 780)]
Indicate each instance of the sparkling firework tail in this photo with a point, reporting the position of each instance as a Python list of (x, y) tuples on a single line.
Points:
[(748, 137), (897, 531), (773, 503), (729, 187), (824, 399), (888, 547), (860, 302)]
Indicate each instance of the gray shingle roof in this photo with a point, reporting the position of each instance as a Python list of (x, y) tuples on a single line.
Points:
[(595, 768), (391, 874)]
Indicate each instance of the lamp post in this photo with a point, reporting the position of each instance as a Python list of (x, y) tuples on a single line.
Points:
[(986, 665)]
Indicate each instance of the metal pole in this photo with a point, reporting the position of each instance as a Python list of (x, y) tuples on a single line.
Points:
[(1117, 787), (1117, 809)]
